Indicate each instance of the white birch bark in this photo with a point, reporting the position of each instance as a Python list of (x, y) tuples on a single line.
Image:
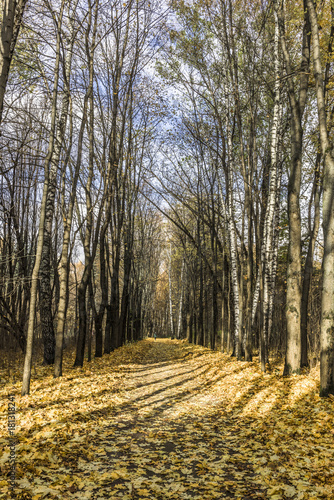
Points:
[(274, 185), (256, 295), (273, 271), (267, 247), (232, 237)]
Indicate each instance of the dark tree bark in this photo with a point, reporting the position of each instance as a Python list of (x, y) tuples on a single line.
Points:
[(12, 14)]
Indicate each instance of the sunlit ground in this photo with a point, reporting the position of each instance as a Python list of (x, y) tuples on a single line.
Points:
[(165, 419)]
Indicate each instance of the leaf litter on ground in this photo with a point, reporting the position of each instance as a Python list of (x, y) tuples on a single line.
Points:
[(166, 419)]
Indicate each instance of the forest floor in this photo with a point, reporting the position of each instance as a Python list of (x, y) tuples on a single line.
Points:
[(168, 420)]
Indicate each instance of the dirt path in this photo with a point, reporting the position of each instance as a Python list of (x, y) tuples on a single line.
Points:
[(170, 439), (167, 420), (187, 431)]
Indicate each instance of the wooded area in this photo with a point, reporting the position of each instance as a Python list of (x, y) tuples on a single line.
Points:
[(167, 249), (167, 169)]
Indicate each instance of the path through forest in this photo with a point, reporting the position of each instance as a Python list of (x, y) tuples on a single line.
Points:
[(169, 420), (172, 438)]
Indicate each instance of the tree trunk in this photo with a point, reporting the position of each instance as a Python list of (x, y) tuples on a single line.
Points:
[(180, 303), (45, 303), (64, 268), (114, 304), (80, 350), (309, 265), (40, 239), (274, 187), (233, 245), (11, 20), (33, 295), (248, 321), (171, 322), (297, 106), (125, 293), (107, 333), (327, 300), (104, 292)]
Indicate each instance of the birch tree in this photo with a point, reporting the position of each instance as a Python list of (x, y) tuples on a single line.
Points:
[(271, 218)]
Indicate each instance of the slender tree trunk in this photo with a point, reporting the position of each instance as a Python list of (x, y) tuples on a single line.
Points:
[(214, 301), (241, 273), (40, 239), (180, 303), (200, 316), (293, 296), (125, 292), (273, 271), (107, 333), (297, 106), (171, 322), (82, 332), (308, 271), (262, 344), (190, 337), (327, 300), (11, 21), (69, 216), (33, 295), (104, 292), (90, 319), (233, 246), (64, 268), (45, 305), (248, 320), (269, 230), (114, 303), (225, 304)]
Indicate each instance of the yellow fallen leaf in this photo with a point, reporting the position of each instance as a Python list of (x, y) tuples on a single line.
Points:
[(113, 475)]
